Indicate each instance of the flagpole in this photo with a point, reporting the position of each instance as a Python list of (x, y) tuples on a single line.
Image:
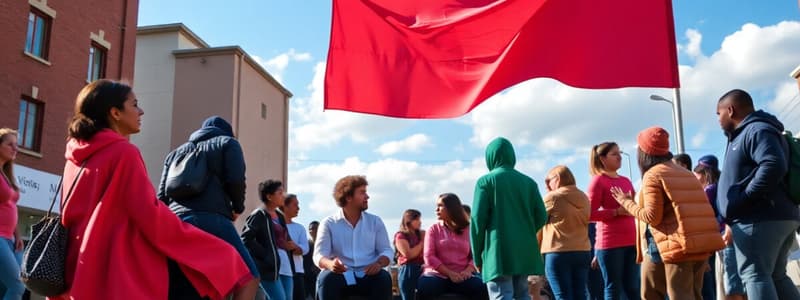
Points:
[(678, 118)]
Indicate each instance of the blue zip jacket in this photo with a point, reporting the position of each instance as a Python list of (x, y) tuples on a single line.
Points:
[(751, 187)]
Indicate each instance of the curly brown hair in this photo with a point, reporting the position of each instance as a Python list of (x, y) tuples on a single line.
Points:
[(346, 186)]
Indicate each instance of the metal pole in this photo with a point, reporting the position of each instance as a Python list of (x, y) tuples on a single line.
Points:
[(678, 119)]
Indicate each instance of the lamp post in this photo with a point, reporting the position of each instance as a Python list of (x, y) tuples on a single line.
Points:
[(677, 121)]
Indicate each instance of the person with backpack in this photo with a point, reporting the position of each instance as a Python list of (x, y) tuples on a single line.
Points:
[(211, 164), (676, 230), (752, 196), (408, 242)]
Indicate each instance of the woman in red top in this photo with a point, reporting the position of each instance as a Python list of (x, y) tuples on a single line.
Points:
[(616, 229), (120, 234), (10, 241), (409, 242)]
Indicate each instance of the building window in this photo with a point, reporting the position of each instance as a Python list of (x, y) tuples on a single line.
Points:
[(36, 42), (263, 111), (97, 63), (30, 123)]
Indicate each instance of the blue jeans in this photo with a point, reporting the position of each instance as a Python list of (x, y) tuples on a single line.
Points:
[(567, 273), (278, 289), (9, 270), (620, 272), (407, 277), (333, 286), (219, 226), (430, 287), (509, 287), (733, 284), (762, 249)]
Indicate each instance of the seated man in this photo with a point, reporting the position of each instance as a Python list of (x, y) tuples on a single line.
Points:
[(352, 247)]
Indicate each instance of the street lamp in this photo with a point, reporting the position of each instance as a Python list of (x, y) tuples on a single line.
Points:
[(677, 122)]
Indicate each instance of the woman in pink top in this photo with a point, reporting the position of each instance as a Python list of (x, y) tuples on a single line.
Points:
[(448, 259), (616, 231), (11, 243)]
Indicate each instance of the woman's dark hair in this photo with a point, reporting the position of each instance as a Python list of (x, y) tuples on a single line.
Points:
[(405, 224), (455, 213), (711, 174), (92, 106), (268, 187), (647, 161), (684, 159)]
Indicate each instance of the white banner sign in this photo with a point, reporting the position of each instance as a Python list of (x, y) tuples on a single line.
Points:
[(36, 188)]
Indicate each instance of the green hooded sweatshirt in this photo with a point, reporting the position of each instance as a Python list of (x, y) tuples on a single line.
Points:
[(507, 213)]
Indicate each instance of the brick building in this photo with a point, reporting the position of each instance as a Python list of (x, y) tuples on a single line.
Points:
[(48, 51)]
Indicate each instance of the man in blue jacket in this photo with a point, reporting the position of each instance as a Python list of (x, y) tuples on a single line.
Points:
[(753, 199), (219, 204)]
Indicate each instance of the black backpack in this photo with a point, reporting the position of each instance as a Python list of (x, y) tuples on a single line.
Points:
[(188, 173)]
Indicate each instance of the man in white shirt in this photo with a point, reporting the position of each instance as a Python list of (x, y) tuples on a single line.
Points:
[(352, 247)]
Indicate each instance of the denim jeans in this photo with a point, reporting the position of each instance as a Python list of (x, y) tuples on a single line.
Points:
[(407, 277), (219, 226), (9, 270), (333, 286), (732, 283), (508, 288), (620, 272), (567, 273), (709, 282), (762, 249), (431, 287), (276, 289)]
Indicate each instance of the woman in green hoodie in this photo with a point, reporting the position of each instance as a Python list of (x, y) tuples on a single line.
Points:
[(507, 213)]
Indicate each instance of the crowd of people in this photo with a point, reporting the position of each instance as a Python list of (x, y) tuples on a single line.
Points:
[(688, 233)]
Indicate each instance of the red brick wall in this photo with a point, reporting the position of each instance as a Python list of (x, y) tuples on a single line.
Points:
[(60, 82)]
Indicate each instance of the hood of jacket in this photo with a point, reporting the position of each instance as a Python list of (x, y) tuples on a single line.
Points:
[(571, 190), (212, 127), (500, 153), (756, 116), (79, 150)]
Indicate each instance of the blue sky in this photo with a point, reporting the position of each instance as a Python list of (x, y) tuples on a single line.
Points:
[(722, 45)]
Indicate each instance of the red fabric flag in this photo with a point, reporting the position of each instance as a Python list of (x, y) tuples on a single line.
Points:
[(441, 58)]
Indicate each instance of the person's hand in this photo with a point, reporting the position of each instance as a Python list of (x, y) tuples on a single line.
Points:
[(19, 245), (455, 277), (337, 266), (621, 211), (595, 265), (235, 216), (297, 251), (466, 274), (373, 268), (619, 195), (727, 237)]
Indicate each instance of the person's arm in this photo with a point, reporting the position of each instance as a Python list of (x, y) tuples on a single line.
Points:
[(403, 247), (652, 210), (431, 254), (382, 247), (302, 239), (481, 203), (323, 249), (162, 185), (595, 193), (767, 152), (234, 175)]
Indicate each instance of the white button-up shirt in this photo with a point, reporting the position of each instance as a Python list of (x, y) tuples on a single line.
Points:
[(357, 247)]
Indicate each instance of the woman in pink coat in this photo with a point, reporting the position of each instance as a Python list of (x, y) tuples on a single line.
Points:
[(120, 234)]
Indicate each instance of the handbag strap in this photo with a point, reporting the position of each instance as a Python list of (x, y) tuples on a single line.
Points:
[(69, 193)]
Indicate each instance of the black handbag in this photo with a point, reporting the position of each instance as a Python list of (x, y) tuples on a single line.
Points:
[(43, 265)]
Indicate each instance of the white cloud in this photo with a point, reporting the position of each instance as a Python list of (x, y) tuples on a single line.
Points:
[(699, 139), (413, 144), (312, 128), (277, 65), (545, 115)]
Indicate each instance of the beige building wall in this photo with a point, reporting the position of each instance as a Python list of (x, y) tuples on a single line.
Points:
[(155, 86), (184, 81)]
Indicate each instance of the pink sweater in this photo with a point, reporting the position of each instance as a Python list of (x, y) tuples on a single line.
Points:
[(445, 247), (612, 232), (8, 209)]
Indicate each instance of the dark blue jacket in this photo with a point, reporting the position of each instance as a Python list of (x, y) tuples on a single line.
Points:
[(751, 187), (224, 193)]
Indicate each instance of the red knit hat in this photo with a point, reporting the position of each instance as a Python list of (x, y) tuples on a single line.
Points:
[(654, 141)]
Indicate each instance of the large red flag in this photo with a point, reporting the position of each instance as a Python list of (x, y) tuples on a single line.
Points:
[(441, 58)]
